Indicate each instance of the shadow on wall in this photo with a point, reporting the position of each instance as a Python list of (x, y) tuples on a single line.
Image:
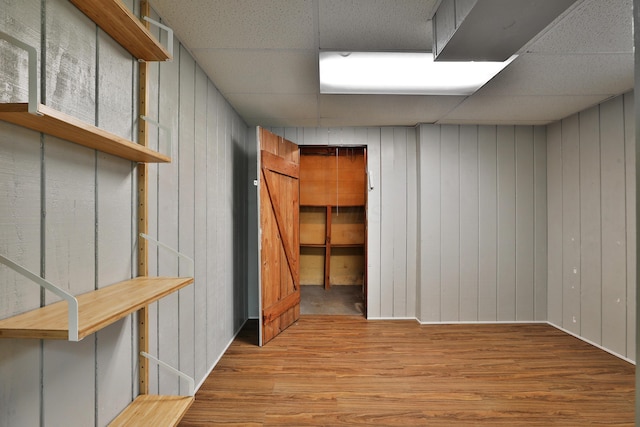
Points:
[(240, 227)]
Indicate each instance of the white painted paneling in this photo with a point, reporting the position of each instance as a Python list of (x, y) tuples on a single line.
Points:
[(614, 286), (213, 346), (374, 207), (20, 241), (412, 221), (200, 224), (70, 85), (488, 224), (114, 248), (571, 224), (450, 223), (554, 226), (158, 140), (469, 220), (387, 216), (525, 212), (430, 221), (590, 227), (630, 169), (68, 382), (540, 221), (505, 145), (186, 211), (168, 225), (399, 224)]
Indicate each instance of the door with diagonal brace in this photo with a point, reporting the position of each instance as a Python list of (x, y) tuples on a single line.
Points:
[(279, 193)]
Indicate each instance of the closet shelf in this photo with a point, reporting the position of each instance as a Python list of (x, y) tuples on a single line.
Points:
[(124, 27), (96, 310), (53, 122), (153, 410)]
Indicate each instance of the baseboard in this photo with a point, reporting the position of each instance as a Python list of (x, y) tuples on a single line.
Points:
[(391, 318), (613, 353), (486, 322), (219, 357)]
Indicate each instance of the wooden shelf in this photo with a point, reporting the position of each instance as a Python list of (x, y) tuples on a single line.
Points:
[(53, 122), (153, 410), (96, 309), (124, 27), (312, 245)]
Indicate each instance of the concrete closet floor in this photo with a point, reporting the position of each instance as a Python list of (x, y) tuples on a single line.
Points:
[(339, 299)]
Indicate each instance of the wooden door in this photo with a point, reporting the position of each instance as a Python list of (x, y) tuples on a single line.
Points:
[(279, 193)]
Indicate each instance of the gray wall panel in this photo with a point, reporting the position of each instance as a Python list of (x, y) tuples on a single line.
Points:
[(186, 210), (412, 222), (488, 223), (469, 220), (571, 224), (630, 170), (540, 221), (525, 233), (554, 226), (70, 61), (450, 223), (399, 229), (200, 224), (505, 146), (374, 206), (598, 139), (590, 226), (168, 231), (20, 241), (387, 209), (430, 220), (614, 270)]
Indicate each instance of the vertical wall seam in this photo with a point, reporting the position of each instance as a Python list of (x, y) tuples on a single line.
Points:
[(459, 221), (497, 219), (535, 219), (579, 236), (43, 200), (626, 246), (515, 222), (601, 234), (195, 299), (96, 119)]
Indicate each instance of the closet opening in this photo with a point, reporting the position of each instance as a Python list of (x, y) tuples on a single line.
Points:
[(333, 230)]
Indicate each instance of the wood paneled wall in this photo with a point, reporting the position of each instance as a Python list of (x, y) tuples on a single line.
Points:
[(68, 213), (483, 223), (592, 230)]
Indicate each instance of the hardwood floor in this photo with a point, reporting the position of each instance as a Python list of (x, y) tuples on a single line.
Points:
[(338, 370)]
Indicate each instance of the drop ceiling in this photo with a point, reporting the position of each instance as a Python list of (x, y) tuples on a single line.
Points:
[(263, 57)]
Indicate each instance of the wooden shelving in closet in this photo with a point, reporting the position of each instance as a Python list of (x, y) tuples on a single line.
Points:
[(332, 215)]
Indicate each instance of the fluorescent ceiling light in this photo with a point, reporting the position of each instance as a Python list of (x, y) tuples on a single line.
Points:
[(402, 73)]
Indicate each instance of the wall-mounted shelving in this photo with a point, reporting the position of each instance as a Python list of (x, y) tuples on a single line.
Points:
[(64, 126), (124, 27), (153, 410), (96, 309)]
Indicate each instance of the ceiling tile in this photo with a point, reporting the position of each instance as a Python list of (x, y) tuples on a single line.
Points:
[(593, 26), (533, 74), (244, 24), (275, 107), (519, 109), (242, 71), (384, 110), (376, 24)]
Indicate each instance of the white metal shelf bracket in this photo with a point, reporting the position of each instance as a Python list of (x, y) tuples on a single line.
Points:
[(173, 370), (34, 98), (169, 33), (71, 300), (167, 130), (173, 251)]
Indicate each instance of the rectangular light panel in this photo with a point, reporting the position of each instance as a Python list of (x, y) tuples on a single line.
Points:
[(402, 73)]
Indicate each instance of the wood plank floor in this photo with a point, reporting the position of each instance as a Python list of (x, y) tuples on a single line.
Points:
[(339, 370)]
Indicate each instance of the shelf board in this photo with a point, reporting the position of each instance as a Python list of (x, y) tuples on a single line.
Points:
[(96, 309), (312, 245), (124, 27), (153, 410), (53, 122)]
